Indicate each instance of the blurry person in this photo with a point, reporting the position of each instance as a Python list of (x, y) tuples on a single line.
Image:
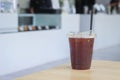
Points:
[(114, 6), (37, 5), (80, 4), (90, 4)]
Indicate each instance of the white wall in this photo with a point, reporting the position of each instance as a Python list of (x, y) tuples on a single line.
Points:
[(8, 22), (85, 22), (106, 28), (25, 50)]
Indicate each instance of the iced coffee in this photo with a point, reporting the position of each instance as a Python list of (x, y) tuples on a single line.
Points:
[(81, 49)]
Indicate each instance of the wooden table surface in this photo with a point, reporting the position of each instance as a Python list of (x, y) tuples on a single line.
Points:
[(100, 70)]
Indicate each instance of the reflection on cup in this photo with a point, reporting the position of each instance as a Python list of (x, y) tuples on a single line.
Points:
[(81, 48)]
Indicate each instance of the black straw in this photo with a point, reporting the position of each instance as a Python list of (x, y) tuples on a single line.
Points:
[(91, 21)]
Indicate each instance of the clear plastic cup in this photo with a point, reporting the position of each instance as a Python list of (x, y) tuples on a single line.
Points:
[(81, 49)]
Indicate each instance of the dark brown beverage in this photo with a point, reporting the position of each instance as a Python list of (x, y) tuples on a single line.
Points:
[(81, 52)]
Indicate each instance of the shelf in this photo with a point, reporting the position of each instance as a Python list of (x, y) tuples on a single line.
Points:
[(26, 15), (40, 19)]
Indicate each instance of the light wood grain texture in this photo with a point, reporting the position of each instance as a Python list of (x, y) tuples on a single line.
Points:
[(100, 70)]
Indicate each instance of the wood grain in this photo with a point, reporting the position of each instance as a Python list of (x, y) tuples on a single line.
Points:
[(100, 70)]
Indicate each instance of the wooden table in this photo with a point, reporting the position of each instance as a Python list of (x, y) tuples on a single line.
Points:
[(100, 70)]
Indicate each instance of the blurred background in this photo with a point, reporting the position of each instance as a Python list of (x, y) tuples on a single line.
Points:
[(78, 6)]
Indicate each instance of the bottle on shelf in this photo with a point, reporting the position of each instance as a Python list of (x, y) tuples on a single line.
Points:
[(30, 27), (34, 28), (52, 27), (39, 27), (43, 28), (20, 28), (26, 28)]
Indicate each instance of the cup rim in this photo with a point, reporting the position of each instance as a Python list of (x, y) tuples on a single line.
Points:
[(82, 35)]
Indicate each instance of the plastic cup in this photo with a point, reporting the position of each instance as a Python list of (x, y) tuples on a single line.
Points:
[(81, 49)]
